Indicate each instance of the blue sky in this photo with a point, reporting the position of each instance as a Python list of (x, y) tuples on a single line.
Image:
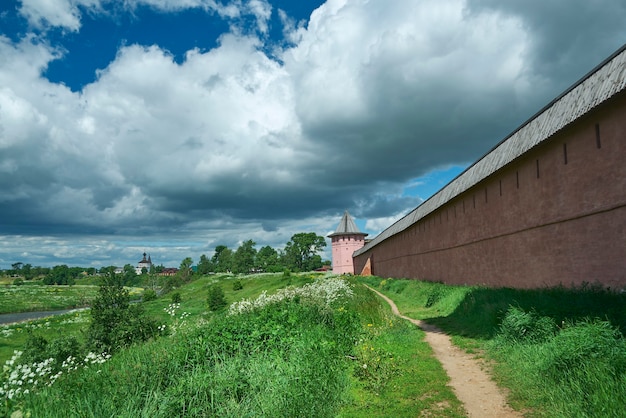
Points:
[(172, 126)]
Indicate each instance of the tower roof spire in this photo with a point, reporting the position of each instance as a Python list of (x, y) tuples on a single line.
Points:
[(347, 226)]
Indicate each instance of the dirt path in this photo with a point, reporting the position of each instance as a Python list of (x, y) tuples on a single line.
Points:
[(472, 385)]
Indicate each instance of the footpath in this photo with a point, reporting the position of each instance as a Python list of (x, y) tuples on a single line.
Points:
[(481, 397)]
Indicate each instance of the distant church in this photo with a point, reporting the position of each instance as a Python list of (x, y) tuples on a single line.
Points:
[(147, 263), (345, 241)]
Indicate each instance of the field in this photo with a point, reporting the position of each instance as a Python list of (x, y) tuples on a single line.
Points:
[(286, 348)]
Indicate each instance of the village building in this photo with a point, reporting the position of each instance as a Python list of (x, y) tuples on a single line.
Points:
[(143, 263), (345, 241), (545, 207)]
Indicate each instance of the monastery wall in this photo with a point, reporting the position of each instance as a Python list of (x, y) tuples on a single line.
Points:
[(556, 215)]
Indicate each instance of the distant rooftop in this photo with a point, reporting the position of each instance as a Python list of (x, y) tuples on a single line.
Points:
[(347, 227)]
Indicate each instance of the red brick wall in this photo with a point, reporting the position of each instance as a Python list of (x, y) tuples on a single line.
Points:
[(556, 215)]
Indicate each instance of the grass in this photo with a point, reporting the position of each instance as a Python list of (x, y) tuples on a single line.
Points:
[(295, 358), (561, 352), (32, 298)]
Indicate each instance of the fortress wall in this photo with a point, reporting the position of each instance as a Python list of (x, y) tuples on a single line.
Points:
[(555, 215)]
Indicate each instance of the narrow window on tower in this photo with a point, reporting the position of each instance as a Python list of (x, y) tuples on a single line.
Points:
[(500, 187), (537, 168), (517, 178), (565, 154), (598, 143)]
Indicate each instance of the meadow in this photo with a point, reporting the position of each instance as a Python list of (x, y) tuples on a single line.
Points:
[(320, 346), (31, 298), (286, 346)]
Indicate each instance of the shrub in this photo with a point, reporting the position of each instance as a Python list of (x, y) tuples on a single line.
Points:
[(149, 295), (237, 285), (115, 323), (18, 282), (35, 349), (216, 299), (587, 341), (176, 298), (526, 327), (65, 347)]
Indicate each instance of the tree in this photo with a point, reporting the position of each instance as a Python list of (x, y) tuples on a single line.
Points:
[(267, 260), (185, 269), (115, 322), (205, 265), (301, 251), (222, 259), (215, 298), (59, 275), (129, 275), (243, 259)]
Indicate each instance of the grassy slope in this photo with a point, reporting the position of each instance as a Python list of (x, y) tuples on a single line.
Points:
[(402, 378)]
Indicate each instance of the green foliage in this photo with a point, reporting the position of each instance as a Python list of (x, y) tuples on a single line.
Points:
[(216, 300), (184, 270), (244, 258), (526, 327), (176, 298), (115, 323), (18, 282), (205, 266), (62, 275), (222, 259), (35, 348), (301, 251), (237, 285), (267, 260), (64, 347), (149, 295)]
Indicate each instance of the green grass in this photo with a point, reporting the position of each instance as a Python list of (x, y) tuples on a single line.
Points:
[(294, 359), (561, 352), (31, 298)]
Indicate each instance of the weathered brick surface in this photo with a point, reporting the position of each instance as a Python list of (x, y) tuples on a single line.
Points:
[(556, 215)]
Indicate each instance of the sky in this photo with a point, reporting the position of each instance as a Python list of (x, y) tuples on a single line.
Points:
[(174, 126)]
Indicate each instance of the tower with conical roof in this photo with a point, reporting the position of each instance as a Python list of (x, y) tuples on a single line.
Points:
[(345, 241)]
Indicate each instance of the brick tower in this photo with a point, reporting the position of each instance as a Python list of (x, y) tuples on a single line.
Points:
[(345, 240)]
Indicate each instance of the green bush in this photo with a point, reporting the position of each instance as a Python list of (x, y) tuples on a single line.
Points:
[(526, 327), (64, 347), (176, 298), (216, 299), (149, 295), (584, 342), (237, 285), (115, 323), (18, 282), (35, 349)]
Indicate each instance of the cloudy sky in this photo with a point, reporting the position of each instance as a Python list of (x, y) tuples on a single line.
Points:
[(173, 126)]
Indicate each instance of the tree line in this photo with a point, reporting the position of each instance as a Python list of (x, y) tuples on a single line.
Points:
[(301, 253)]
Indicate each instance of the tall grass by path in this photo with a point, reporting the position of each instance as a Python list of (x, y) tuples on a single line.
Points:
[(560, 351)]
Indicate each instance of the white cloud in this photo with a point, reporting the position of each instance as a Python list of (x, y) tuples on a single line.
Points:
[(61, 13), (230, 144)]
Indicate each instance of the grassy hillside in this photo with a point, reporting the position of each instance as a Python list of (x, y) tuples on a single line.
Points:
[(289, 350)]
